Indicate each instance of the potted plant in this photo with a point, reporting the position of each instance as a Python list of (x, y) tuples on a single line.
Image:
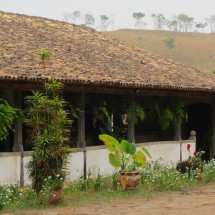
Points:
[(49, 126), (54, 184), (49, 130), (124, 155)]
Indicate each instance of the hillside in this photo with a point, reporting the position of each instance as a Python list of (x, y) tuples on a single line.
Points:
[(193, 49)]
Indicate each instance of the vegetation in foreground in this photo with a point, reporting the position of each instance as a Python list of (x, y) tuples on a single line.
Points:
[(154, 179)]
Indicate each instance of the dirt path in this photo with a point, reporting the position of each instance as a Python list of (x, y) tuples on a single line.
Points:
[(199, 201)]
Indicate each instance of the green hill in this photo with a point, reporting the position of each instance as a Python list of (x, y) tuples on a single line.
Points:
[(193, 49)]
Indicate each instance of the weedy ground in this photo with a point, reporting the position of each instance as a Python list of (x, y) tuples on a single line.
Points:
[(156, 179)]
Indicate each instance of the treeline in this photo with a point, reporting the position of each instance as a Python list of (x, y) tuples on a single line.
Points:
[(178, 23)]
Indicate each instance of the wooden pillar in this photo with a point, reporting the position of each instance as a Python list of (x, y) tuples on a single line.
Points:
[(17, 142), (131, 131), (81, 132), (177, 135), (9, 97), (131, 125), (81, 123)]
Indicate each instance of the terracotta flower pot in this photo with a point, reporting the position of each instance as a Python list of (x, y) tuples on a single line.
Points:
[(55, 196), (129, 180)]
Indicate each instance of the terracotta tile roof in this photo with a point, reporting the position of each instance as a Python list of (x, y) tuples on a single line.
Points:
[(82, 55)]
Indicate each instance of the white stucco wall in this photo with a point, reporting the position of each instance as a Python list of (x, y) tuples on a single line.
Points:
[(96, 160), (75, 166), (10, 166), (169, 151), (26, 159)]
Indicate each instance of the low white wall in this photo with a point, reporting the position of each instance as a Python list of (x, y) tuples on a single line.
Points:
[(10, 166), (97, 160), (169, 151), (75, 166), (26, 159)]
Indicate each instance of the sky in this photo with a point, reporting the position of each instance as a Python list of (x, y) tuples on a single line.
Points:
[(118, 10)]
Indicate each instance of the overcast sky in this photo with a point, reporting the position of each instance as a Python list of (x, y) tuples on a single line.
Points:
[(120, 10)]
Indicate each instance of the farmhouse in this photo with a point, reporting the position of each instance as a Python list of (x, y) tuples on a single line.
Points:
[(102, 75)]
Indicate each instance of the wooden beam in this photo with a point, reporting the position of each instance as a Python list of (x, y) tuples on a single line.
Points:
[(26, 85)]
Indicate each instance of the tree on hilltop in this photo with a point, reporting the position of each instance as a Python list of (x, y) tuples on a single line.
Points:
[(104, 22), (185, 23), (172, 24), (139, 23), (72, 17), (159, 21), (211, 21), (89, 20), (201, 25)]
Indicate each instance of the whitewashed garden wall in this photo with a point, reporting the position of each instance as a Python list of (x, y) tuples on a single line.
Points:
[(13, 165)]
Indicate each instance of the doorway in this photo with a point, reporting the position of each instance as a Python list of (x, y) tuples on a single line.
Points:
[(200, 120)]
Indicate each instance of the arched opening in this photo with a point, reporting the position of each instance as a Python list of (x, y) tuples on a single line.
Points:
[(200, 120)]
